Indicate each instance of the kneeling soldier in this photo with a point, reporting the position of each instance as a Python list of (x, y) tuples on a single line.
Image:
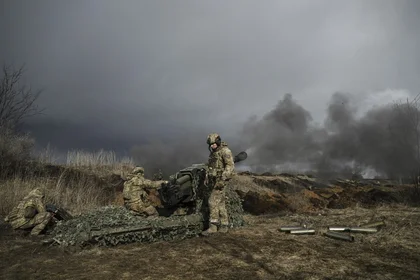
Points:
[(30, 213)]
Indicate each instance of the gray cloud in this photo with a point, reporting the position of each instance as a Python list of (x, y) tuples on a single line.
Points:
[(121, 73)]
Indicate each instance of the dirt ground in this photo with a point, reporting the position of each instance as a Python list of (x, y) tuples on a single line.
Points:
[(256, 251)]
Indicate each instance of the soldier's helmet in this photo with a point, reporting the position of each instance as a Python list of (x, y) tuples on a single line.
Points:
[(138, 171), (214, 138)]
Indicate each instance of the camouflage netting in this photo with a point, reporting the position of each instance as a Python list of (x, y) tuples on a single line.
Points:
[(109, 226), (112, 225), (234, 208)]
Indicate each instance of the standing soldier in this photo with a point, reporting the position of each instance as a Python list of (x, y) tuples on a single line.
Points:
[(30, 213), (221, 169)]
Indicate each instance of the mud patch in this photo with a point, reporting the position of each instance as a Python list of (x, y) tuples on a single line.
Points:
[(258, 203), (301, 193)]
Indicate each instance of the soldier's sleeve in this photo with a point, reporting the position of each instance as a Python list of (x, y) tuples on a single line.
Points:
[(229, 164), (39, 206), (149, 184), (157, 184)]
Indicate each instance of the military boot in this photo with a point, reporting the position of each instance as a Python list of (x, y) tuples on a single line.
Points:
[(224, 228), (210, 230)]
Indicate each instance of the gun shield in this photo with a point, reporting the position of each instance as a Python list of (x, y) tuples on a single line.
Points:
[(340, 236)]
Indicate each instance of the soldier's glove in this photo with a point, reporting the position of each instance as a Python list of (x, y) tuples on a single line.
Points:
[(51, 208)]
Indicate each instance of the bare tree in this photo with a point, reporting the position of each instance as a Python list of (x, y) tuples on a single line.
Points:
[(17, 101)]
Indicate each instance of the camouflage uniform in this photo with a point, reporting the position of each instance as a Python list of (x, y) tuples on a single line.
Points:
[(30, 213), (135, 195), (221, 169)]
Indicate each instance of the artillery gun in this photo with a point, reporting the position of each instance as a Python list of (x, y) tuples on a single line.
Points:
[(188, 187), (187, 190)]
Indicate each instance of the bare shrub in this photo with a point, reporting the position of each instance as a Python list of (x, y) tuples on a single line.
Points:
[(14, 149)]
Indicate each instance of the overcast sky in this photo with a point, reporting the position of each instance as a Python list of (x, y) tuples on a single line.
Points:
[(119, 73)]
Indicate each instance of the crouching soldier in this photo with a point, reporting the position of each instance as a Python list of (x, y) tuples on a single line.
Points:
[(30, 213), (135, 195)]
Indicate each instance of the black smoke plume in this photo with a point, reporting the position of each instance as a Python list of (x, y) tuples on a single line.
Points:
[(384, 141)]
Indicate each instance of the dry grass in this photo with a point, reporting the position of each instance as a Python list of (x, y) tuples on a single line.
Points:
[(47, 155), (101, 162), (101, 158), (78, 194), (79, 185)]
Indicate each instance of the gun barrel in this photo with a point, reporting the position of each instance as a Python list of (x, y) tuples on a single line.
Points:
[(303, 231), (181, 180), (240, 157), (340, 236), (289, 228)]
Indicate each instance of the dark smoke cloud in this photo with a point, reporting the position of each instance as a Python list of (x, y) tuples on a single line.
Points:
[(384, 139), (281, 135)]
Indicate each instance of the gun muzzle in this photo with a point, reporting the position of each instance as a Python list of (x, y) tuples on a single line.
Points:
[(340, 236), (181, 180), (240, 157)]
